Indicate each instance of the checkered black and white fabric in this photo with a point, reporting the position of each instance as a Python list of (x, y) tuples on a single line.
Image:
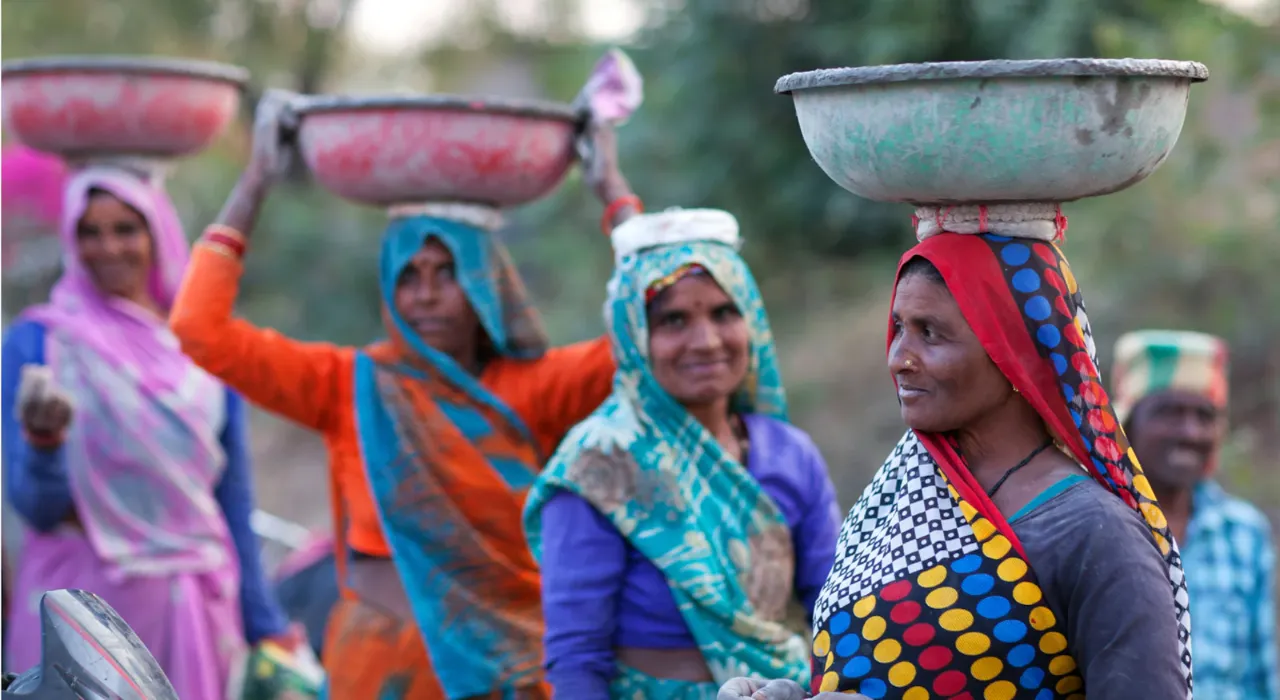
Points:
[(906, 521)]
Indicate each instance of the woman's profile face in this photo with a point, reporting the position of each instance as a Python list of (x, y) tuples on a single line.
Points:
[(115, 247), (698, 341), (946, 381)]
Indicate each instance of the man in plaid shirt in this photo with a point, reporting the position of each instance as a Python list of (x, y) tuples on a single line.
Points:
[(1171, 393)]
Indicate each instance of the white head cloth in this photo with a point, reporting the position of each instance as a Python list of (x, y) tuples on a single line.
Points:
[(674, 226), (1041, 221), (477, 215)]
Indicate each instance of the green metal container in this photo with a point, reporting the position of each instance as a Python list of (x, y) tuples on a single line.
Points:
[(992, 131)]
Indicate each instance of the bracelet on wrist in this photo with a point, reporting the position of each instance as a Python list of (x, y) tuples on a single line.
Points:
[(611, 211)]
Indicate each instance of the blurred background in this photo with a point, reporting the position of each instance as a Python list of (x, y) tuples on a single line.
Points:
[(1196, 246)]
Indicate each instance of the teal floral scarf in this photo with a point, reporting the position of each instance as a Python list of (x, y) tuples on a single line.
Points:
[(663, 480)]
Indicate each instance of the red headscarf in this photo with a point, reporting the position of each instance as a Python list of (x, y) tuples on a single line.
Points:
[(1021, 300)]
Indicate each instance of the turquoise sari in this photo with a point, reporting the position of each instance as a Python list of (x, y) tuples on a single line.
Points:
[(664, 481)]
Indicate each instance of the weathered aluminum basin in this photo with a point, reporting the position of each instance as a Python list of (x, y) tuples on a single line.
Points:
[(395, 150), (85, 106), (992, 131)]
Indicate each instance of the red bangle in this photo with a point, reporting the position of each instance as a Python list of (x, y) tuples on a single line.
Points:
[(606, 221), (42, 440), (228, 238)]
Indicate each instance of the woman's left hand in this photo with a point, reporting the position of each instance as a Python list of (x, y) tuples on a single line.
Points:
[(598, 146)]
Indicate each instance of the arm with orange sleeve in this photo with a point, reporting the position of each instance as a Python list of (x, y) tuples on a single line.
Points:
[(301, 381), (570, 382)]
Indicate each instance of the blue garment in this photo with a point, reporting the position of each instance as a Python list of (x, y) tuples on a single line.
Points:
[(36, 482), (666, 484), (1230, 562), (602, 593)]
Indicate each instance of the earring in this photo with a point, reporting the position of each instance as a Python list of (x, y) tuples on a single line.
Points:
[(1015, 389)]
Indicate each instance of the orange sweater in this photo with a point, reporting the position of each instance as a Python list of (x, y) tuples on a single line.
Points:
[(314, 383)]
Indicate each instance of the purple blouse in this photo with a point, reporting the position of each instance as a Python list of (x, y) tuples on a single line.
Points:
[(600, 593)]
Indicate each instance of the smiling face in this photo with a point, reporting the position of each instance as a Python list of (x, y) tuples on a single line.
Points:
[(430, 300), (698, 341), (946, 381), (1175, 435), (115, 247)]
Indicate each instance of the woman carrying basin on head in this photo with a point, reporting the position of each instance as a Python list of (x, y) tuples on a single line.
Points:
[(676, 523), (983, 560), (128, 463), (434, 437)]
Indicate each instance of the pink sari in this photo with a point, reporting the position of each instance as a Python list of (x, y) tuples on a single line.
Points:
[(143, 458)]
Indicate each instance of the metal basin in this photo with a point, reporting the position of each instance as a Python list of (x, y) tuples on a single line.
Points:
[(86, 106), (395, 150), (992, 131)]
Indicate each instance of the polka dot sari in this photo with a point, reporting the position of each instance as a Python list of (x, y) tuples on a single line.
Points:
[(931, 595)]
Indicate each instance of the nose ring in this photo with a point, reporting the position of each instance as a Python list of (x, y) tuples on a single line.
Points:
[(909, 364)]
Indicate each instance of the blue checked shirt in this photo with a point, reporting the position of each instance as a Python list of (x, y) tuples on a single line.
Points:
[(1230, 564)]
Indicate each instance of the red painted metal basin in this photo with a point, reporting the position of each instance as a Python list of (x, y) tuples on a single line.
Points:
[(82, 106), (397, 150)]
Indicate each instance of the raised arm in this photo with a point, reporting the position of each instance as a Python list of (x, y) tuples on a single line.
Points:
[(305, 382)]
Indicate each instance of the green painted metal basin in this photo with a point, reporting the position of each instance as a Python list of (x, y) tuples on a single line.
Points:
[(992, 131)]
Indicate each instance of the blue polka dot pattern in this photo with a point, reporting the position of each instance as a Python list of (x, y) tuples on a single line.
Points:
[(1038, 309), (1032, 678), (839, 622), (1015, 254), (966, 564), (1026, 281), (848, 645), (873, 688), (1059, 362), (994, 607), (857, 667), (1010, 631), (1021, 655), (977, 584), (1049, 336)]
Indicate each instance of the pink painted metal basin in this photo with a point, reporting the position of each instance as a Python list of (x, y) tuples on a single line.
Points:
[(412, 149), (84, 106)]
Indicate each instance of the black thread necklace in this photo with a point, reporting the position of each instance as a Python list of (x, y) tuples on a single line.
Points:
[(1025, 461)]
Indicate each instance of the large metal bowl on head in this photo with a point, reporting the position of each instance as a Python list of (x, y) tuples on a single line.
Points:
[(992, 131), (398, 150), (87, 106)]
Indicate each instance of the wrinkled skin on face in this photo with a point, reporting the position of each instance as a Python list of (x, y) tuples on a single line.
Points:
[(430, 300), (698, 342), (116, 249), (1176, 435), (946, 381)]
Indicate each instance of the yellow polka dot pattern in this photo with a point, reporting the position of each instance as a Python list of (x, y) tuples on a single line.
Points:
[(902, 674), (975, 625)]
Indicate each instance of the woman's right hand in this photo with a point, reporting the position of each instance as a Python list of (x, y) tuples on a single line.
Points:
[(44, 409), (274, 125), (761, 689)]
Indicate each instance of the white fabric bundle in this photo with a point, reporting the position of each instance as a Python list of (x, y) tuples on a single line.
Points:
[(674, 226), (1040, 221), (477, 215)]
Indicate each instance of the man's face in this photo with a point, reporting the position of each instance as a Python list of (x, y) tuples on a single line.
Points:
[(1176, 435)]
